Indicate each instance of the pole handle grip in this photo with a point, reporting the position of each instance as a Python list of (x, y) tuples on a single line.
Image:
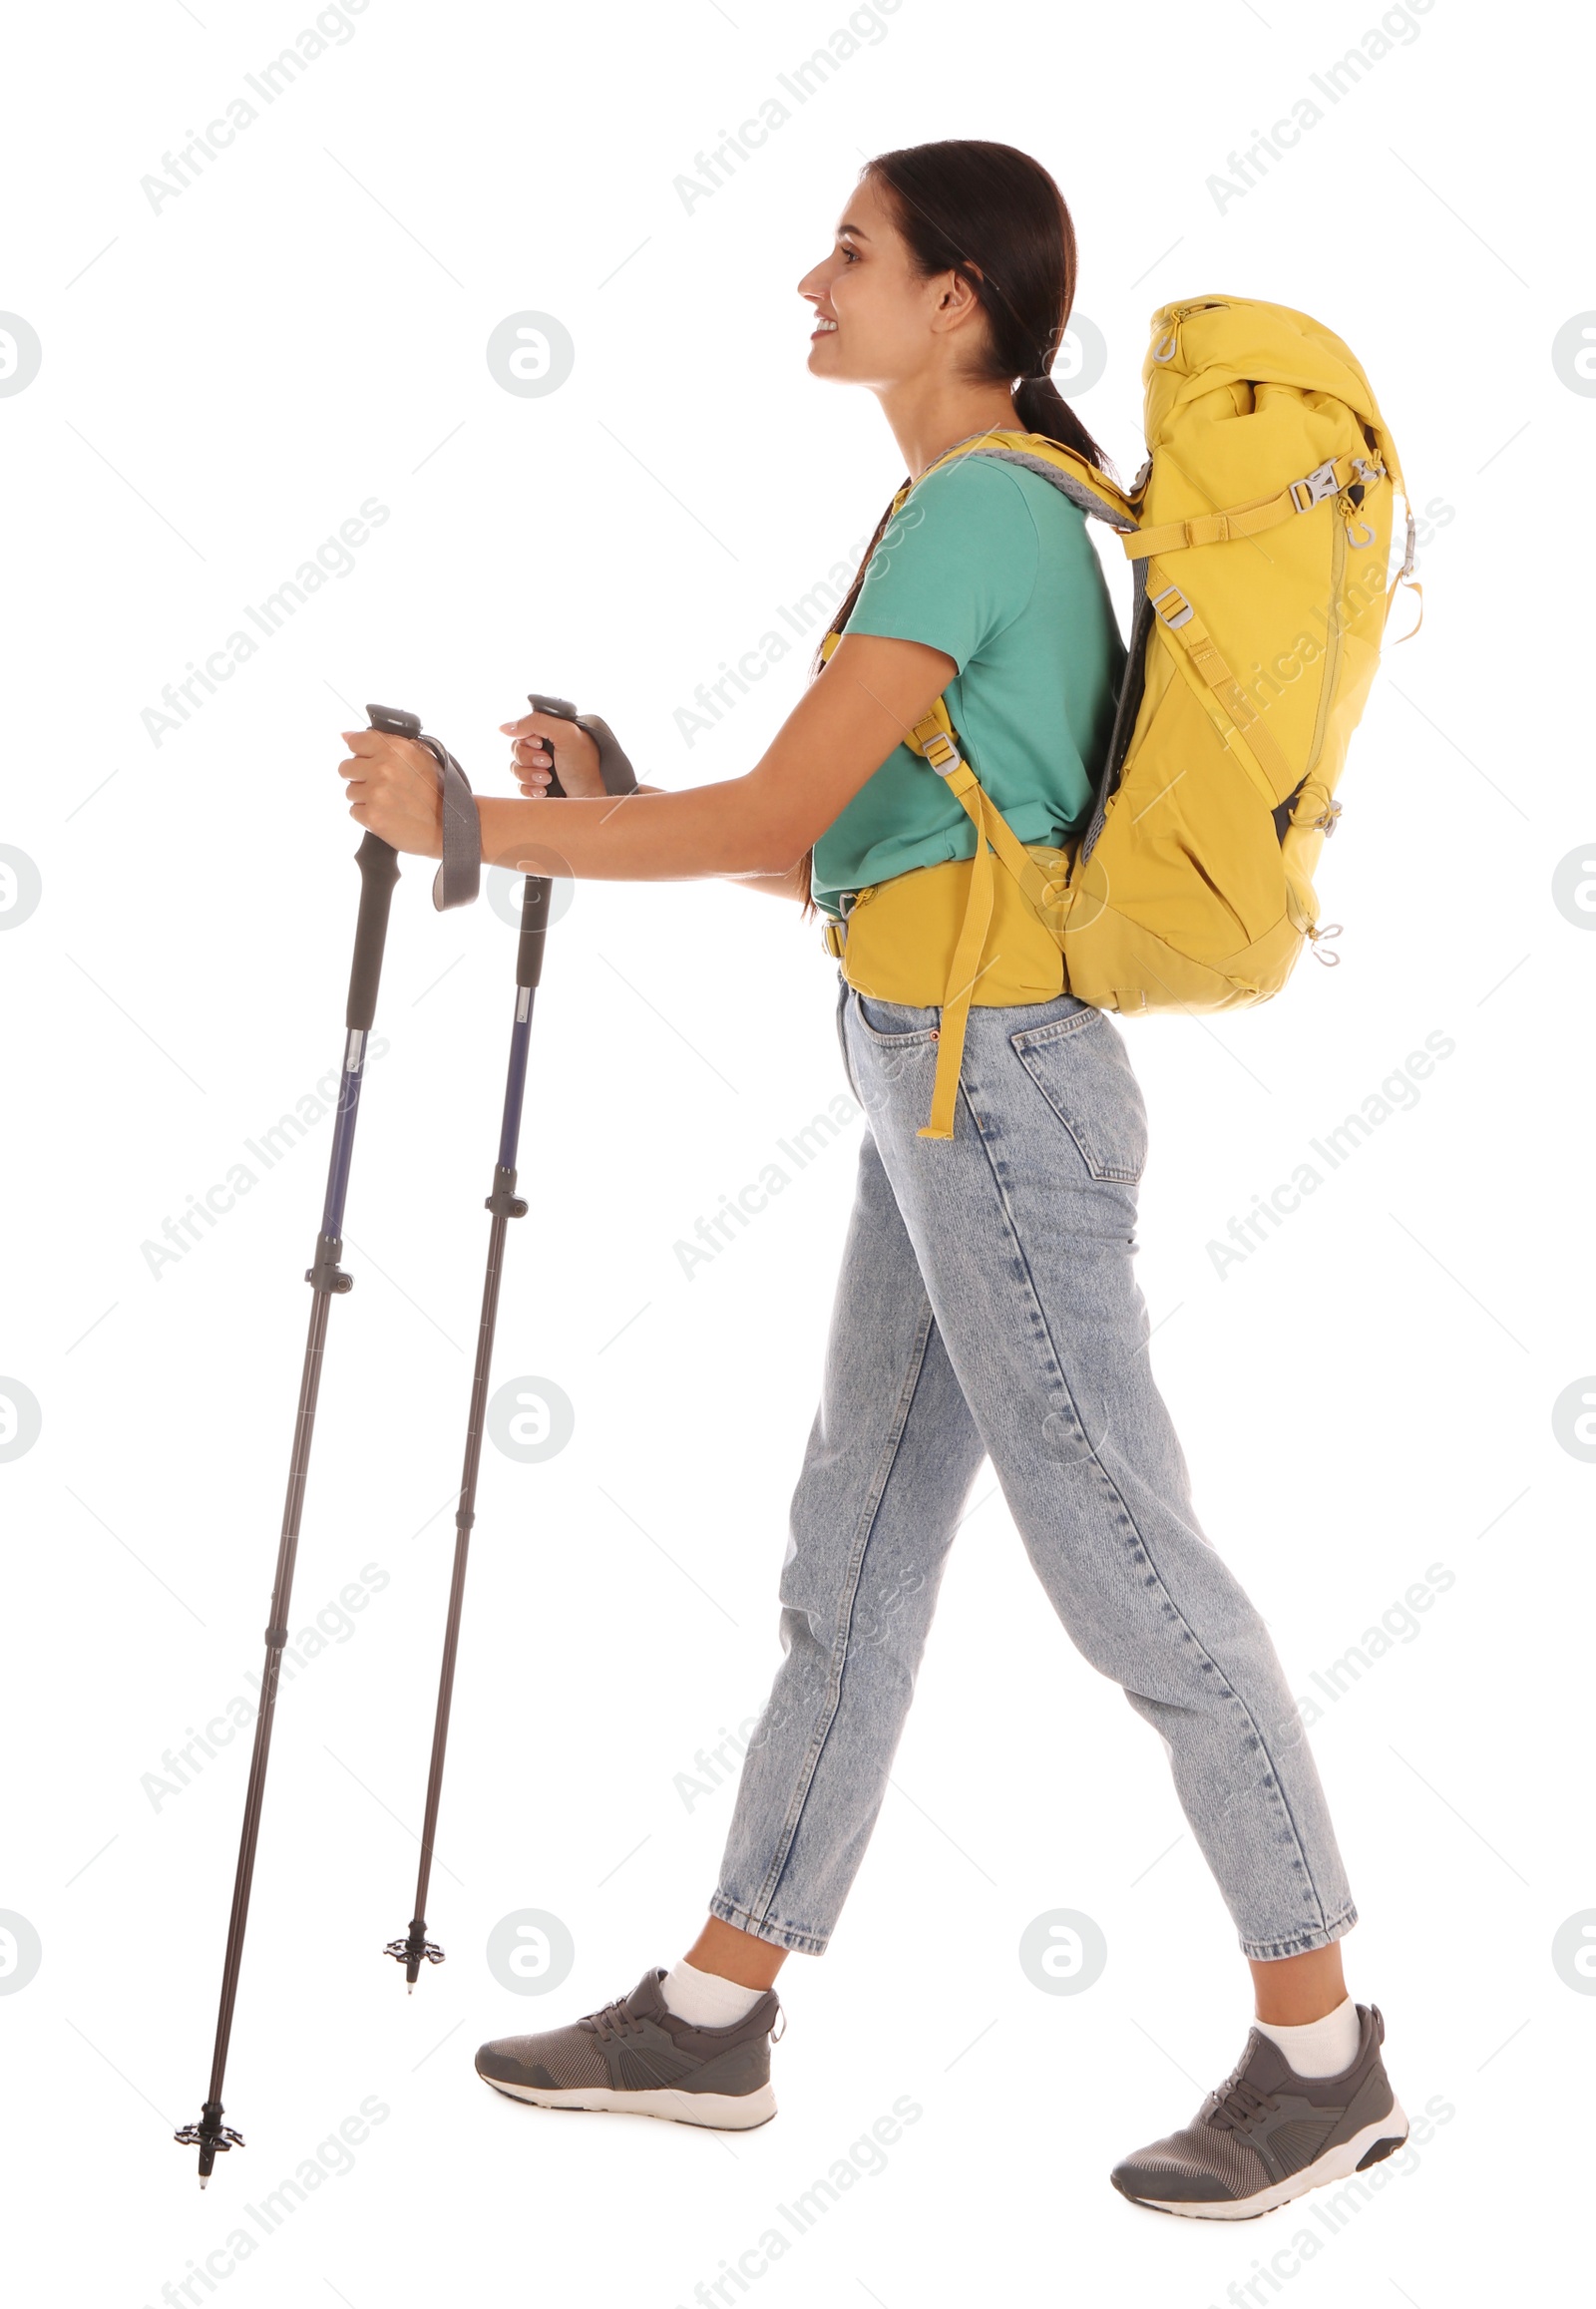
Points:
[(537, 889), (614, 767), (379, 871), (536, 892), (619, 777), (567, 712)]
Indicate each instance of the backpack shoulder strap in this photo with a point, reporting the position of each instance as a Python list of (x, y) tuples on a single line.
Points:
[(1073, 475), (934, 739)]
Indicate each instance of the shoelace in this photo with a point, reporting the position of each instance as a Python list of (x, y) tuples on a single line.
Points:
[(1241, 2105), (613, 2019)]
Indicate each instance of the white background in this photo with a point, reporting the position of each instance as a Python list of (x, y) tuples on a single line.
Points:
[(224, 382)]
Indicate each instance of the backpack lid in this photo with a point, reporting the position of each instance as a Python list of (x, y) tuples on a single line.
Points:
[(1207, 342)]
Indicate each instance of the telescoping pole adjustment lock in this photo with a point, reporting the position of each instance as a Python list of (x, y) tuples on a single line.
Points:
[(504, 1202), (328, 1274)]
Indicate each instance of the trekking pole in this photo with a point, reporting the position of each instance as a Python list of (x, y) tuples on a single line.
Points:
[(379, 871), (503, 1204)]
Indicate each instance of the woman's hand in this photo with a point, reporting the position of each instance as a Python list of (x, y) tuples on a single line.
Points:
[(392, 785), (538, 738)]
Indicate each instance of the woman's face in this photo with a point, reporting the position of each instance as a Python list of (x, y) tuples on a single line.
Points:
[(877, 321)]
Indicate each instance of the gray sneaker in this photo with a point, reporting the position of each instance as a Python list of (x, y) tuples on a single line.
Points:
[(1268, 2135), (637, 2056)]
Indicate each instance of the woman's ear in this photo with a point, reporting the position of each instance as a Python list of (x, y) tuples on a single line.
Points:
[(959, 305), (968, 292)]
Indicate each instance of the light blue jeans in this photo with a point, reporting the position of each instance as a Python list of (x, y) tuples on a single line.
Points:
[(987, 1308)]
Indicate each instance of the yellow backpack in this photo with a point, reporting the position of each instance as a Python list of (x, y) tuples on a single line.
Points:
[(1260, 533)]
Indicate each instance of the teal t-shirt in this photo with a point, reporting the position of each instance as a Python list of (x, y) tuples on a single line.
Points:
[(992, 565)]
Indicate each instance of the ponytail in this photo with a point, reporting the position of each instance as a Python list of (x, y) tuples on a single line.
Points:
[(1042, 409)]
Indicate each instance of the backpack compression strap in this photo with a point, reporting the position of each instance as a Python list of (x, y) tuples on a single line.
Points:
[(1335, 477), (1219, 694), (1259, 513)]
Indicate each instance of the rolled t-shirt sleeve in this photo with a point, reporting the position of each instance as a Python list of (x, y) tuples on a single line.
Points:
[(957, 564)]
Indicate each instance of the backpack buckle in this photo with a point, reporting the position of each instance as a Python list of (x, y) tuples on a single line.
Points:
[(834, 935), (1314, 487), (1173, 607), (943, 755)]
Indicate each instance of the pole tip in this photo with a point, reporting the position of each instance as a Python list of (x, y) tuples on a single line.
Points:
[(202, 2181)]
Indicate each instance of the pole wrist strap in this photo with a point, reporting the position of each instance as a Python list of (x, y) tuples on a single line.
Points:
[(459, 876)]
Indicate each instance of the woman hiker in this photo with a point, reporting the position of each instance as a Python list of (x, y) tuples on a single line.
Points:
[(987, 1306)]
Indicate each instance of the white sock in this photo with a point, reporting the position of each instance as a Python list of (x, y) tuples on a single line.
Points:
[(709, 2001), (1317, 2048)]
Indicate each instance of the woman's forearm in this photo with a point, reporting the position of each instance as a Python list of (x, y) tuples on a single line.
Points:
[(792, 883), (729, 829)]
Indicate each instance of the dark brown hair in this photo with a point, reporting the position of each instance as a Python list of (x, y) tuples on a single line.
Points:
[(994, 217)]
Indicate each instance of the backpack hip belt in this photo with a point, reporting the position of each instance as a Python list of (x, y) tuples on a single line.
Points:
[(897, 939)]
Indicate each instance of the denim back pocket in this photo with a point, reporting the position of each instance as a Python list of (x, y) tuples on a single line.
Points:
[(1082, 1069)]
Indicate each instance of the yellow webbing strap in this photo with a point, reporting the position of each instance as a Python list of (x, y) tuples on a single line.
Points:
[(934, 737), (1239, 521), (966, 965), (1256, 752)]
